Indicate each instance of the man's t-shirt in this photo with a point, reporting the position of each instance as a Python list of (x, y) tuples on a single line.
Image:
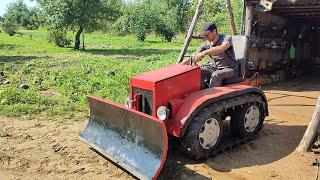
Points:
[(225, 59)]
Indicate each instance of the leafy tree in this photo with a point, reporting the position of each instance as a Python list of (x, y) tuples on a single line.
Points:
[(166, 22), (35, 18), (180, 11), (215, 11), (19, 13), (141, 18), (79, 14)]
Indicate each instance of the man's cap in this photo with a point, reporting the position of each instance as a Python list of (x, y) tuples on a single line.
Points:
[(207, 28)]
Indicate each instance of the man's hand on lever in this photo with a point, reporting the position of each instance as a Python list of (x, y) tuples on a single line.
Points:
[(198, 57), (190, 61)]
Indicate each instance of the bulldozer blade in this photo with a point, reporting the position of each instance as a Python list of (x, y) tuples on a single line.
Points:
[(135, 141)]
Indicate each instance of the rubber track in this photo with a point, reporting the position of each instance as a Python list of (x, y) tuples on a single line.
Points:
[(228, 141)]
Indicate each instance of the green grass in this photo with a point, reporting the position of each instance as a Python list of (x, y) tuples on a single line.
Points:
[(60, 78)]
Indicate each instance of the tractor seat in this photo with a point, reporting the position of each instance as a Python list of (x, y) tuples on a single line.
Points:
[(240, 48)]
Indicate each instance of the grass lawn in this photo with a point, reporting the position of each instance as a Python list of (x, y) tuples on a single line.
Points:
[(60, 78)]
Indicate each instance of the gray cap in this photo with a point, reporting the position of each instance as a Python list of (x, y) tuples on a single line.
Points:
[(207, 28)]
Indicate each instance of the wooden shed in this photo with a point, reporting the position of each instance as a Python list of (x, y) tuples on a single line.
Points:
[(284, 38)]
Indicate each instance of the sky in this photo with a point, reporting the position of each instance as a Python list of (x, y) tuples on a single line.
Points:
[(4, 3)]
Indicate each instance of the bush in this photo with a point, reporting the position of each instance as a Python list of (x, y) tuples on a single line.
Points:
[(166, 23), (121, 26), (10, 28), (59, 37), (146, 16), (141, 19)]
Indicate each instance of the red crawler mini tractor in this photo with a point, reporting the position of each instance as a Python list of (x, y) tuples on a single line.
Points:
[(170, 101)]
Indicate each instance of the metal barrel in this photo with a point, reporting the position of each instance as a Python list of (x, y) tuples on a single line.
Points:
[(135, 141)]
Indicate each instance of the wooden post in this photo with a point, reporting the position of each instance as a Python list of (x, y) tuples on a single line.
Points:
[(187, 41), (231, 18), (243, 19), (311, 131), (248, 20)]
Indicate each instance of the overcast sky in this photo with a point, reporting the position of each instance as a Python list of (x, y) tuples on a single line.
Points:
[(4, 3)]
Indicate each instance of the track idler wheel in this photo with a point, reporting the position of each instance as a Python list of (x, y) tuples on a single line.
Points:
[(247, 120), (204, 134)]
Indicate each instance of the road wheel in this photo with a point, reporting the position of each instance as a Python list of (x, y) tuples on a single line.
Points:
[(247, 121), (203, 134)]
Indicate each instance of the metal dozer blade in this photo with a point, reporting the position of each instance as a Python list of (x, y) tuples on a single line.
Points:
[(135, 141)]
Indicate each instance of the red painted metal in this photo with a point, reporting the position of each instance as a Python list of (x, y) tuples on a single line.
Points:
[(168, 83), (193, 101), (179, 86)]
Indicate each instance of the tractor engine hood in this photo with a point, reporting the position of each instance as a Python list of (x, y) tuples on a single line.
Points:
[(159, 87)]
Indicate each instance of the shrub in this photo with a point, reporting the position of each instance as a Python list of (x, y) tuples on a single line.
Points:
[(10, 28), (121, 26), (165, 24), (59, 37), (141, 18), (149, 16)]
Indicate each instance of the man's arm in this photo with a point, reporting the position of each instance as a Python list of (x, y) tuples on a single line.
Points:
[(217, 50), (204, 46), (186, 61), (213, 51)]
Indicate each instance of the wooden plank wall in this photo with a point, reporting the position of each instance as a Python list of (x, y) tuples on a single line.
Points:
[(267, 42)]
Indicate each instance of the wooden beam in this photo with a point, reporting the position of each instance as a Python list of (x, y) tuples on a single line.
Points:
[(195, 19), (248, 20), (296, 6), (296, 10), (302, 14), (315, 18), (231, 17), (311, 131)]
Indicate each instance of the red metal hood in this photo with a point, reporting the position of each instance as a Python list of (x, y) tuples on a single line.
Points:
[(163, 73)]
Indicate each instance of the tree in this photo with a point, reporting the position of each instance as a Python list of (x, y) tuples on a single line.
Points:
[(19, 13), (150, 16), (181, 11), (216, 11), (141, 18), (231, 17), (79, 14), (166, 23)]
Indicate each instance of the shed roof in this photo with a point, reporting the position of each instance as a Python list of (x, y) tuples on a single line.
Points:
[(288, 1), (304, 10)]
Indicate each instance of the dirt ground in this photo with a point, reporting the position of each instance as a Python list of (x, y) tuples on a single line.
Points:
[(39, 148)]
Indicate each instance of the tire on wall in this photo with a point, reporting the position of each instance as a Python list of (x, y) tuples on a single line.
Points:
[(203, 134)]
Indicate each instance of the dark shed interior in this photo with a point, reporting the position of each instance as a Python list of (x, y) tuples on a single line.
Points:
[(284, 38)]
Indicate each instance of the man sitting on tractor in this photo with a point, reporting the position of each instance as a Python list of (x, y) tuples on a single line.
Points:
[(219, 48)]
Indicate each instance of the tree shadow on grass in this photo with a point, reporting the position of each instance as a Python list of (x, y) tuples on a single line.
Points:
[(9, 46), (131, 52), (4, 59)]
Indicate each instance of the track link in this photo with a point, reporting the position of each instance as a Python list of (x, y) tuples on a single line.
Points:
[(228, 142), (225, 108)]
